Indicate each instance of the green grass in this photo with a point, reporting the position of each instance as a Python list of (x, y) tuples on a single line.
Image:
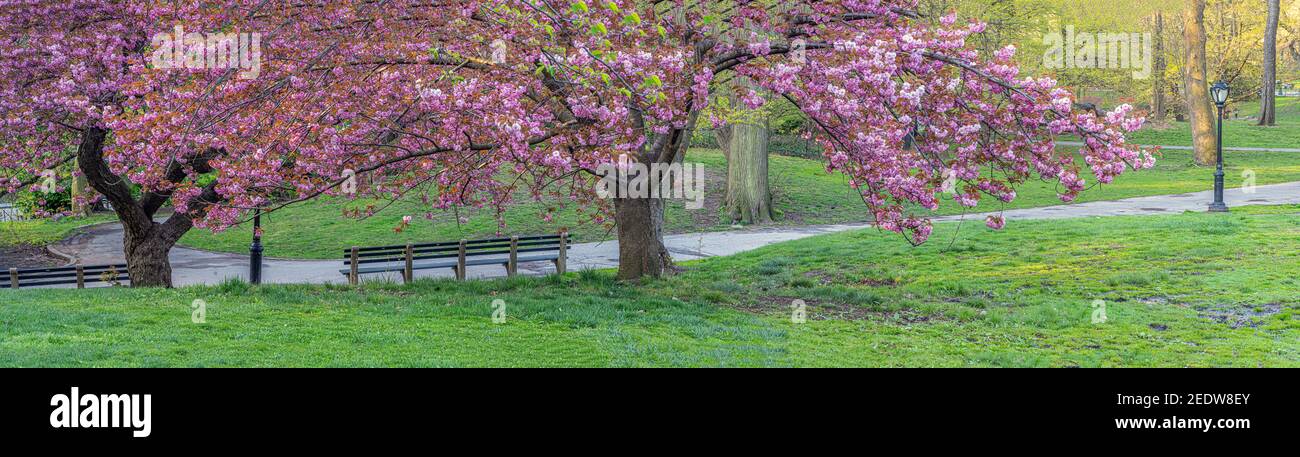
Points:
[(1236, 133), (40, 232), (1184, 290), (804, 194)]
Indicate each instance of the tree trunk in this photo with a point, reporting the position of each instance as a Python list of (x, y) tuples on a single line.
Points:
[(749, 199), (723, 134), (1196, 87), (146, 243), (79, 208), (641, 250), (1158, 107), (1268, 103), (146, 257)]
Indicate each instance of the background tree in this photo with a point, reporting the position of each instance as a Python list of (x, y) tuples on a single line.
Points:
[(1268, 89), (1195, 84), (743, 135), (1159, 86)]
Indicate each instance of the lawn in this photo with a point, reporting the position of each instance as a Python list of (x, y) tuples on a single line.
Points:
[(1236, 133), (804, 194), (1185, 290), (40, 232)]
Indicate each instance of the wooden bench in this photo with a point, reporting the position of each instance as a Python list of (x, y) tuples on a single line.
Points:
[(79, 275), (456, 255)]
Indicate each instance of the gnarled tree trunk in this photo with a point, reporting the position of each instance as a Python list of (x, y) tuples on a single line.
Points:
[(749, 199), (146, 243), (1197, 87), (147, 250)]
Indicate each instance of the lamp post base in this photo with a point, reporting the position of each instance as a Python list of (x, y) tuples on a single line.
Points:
[(1218, 207)]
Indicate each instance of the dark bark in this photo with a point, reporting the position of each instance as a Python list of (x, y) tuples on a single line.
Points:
[(641, 250), (146, 243), (640, 221)]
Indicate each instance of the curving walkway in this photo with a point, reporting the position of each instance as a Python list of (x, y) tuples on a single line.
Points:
[(103, 244)]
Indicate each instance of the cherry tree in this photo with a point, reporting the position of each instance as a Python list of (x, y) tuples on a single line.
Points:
[(469, 103)]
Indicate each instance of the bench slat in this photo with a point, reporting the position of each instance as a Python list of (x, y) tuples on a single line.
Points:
[(447, 264), (468, 249), (62, 282), (72, 274), (402, 258), (453, 244), (71, 269)]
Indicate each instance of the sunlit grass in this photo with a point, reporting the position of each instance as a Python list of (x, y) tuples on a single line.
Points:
[(1183, 290)]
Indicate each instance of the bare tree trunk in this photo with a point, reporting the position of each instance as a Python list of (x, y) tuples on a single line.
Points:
[(1268, 103), (641, 250), (1158, 107), (1196, 84), (749, 199)]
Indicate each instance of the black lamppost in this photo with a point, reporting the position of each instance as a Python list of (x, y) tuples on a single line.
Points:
[(1220, 95), (255, 251)]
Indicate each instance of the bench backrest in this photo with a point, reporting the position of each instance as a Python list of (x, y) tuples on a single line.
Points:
[(80, 275), (451, 250)]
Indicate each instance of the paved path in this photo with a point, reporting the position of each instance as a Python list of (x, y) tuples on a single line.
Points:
[(103, 244)]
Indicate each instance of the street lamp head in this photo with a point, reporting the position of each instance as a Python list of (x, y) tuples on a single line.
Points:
[(1219, 93)]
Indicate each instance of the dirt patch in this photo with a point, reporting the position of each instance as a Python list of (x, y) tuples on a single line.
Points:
[(26, 256), (821, 277), (1238, 316), (875, 282), (715, 194)]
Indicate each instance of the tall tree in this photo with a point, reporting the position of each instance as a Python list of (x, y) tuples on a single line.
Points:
[(749, 199), (1268, 91), (743, 134), (1196, 85), (1158, 84), (465, 101)]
